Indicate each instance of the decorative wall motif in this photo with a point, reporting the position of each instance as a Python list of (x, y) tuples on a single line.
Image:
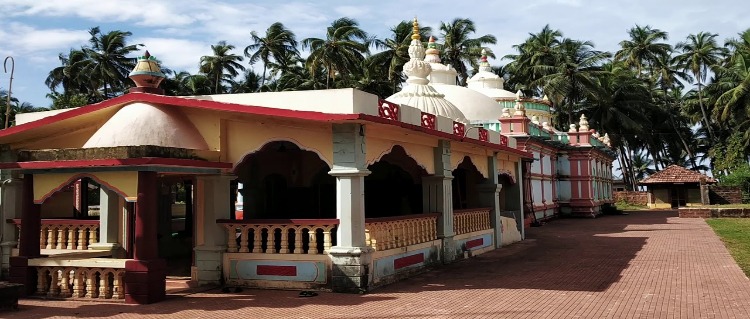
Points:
[(428, 120), (388, 110), (459, 129)]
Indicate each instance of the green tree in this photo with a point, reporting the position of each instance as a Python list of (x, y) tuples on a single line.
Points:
[(643, 48), (277, 43), (395, 51), (222, 66), (459, 49), (341, 52), (106, 64), (699, 53)]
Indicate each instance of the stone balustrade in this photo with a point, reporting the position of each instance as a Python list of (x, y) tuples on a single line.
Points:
[(400, 231), (471, 220), (65, 233), (280, 236), (92, 278)]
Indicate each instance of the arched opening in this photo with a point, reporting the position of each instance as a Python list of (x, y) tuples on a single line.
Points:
[(283, 181), (466, 177), (394, 187)]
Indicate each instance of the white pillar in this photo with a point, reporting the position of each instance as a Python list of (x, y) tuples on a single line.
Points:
[(212, 202), (109, 213), (350, 257)]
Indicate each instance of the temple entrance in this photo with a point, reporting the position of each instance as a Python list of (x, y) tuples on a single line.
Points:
[(466, 177), (394, 186), (283, 181), (175, 229)]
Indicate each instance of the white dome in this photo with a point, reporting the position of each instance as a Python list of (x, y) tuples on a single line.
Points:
[(429, 100), (476, 106), (145, 124), (497, 94)]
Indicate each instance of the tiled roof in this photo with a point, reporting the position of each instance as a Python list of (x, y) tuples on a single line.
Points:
[(676, 174)]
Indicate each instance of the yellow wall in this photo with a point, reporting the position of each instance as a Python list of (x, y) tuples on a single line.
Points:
[(245, 137), (124, 183), (424, 155)]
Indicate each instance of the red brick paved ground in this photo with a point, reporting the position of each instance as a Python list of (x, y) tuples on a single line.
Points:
[(645, 265)]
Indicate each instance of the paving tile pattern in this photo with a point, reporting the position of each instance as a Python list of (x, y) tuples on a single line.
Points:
[(643, 265)]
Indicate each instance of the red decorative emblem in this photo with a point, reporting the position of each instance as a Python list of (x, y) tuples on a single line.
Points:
[(388, 110), (503, 140), (459, 129), (428, 120), (483, 134)]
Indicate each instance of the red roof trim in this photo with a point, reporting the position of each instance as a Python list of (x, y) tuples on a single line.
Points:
[(182, 102), (244, 109), (447, 136), (145, 161)]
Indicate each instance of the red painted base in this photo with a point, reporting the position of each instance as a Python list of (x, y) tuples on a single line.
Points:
[(21, 273), (145, 281)]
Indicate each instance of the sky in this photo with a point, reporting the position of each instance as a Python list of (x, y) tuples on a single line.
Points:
[(179, 32)]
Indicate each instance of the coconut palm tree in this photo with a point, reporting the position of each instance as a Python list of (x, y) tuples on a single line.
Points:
[(538, 51), (106, 64), (643, 48), (395, 50), (341, 52), (699, 53), (277, 43), (460, 49), (222, 66), (574, 74)]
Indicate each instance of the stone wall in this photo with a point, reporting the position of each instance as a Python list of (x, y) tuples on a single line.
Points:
[(725, 195), (714, 212), (633, 198)]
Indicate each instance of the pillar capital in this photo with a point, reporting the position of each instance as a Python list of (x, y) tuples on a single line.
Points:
[(348, 172)]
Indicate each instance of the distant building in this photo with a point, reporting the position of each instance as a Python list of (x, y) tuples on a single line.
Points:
[(676, 186)]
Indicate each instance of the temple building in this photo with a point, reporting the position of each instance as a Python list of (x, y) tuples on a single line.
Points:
[(341, 190)]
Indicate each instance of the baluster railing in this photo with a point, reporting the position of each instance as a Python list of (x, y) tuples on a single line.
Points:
[(401, 231), (272, 236), (80, 282), (69, 234), (471, 220)]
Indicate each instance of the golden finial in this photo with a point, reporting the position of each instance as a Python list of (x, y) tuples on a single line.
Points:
[(415, 33)]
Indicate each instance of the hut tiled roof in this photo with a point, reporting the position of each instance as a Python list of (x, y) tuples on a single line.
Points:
[(677, 174)]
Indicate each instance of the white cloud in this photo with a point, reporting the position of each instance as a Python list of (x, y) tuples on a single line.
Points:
[(176, 54), (352, 11), (152, 13), (21, 39)]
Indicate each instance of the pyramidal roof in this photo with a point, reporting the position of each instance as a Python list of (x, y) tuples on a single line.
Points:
[(676, 174), (417, 93)]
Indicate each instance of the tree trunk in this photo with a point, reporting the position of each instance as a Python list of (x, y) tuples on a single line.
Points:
[(703, 109), (263, 80)]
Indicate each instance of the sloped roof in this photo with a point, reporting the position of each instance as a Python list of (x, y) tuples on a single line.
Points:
[(676, 174)]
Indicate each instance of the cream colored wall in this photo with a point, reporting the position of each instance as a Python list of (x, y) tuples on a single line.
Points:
[(660, 198), (248, 136), (477, 154), (124, 183), (208, 124), (423, 154), (693, 197)]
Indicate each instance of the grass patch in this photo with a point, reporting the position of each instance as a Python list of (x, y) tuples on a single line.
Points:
[(623, 205), (735, 233)]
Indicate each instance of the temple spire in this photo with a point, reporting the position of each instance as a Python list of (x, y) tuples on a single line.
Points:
[(416, 68), (432, 55), (483, 64)]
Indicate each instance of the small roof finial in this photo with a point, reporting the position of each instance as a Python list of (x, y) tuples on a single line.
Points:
[(483, 64), (432, 55), (583, 124), (147, 75), (519, 95), (415, 30)]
